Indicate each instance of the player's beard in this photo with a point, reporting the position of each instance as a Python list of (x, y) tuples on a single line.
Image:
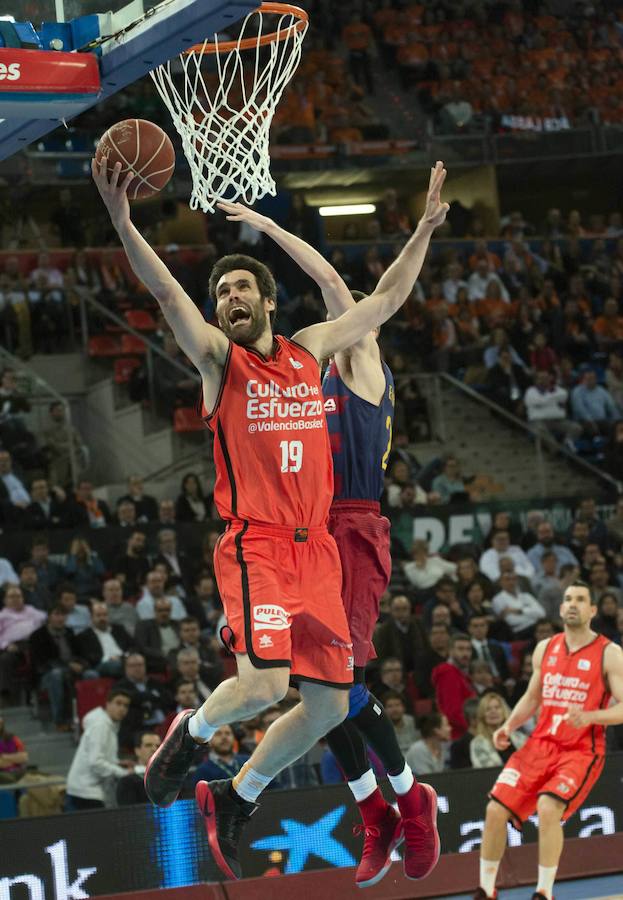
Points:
[(244, 333)]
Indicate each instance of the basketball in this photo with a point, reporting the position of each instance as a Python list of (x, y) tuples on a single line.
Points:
[(142, 147)]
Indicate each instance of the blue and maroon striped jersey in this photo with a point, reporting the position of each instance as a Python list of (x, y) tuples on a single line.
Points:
[(360, 434)]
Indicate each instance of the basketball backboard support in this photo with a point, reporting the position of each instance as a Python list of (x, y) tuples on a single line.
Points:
[(143, 35)]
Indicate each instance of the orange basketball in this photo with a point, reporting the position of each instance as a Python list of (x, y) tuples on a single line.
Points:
[(140, 147)]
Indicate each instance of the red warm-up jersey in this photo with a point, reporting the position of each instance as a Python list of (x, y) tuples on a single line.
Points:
[(572, 679), (271, 443)]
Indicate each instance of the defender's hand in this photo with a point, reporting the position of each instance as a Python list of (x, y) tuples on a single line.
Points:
[(435, 212), (114, 195), (236, 212)]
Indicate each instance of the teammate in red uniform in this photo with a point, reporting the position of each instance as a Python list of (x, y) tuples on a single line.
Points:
[(277, 566), (575, 675), (359, 404)]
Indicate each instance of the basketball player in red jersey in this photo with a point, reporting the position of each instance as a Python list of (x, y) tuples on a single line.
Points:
[(575, 675), (277, 567), (359, 404)]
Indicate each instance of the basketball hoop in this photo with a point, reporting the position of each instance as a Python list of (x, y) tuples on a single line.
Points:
[(223, 101)]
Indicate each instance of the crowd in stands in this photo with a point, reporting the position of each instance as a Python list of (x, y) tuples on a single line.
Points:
[(453, 641), (535, 323), (473, 62)]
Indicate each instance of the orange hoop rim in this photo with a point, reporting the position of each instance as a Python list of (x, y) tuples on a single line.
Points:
[(249, 43)]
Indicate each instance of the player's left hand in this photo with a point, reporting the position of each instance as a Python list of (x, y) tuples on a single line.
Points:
[(577, 718), (236, 212), (435, 212)]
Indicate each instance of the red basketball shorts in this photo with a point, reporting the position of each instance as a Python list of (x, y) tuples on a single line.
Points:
[(281, 593), (363, 542), (541, 767)]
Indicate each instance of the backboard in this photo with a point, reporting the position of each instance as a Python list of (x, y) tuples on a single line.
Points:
[(131, 39)]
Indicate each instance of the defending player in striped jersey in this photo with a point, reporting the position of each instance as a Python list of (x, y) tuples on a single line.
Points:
[(359, 404), (277, 566)]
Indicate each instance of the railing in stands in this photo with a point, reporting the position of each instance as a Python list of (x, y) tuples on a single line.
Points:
[(541, 440), (47, 395), (151, 348)]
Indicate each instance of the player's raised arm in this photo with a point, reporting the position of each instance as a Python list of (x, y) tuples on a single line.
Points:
[(335, 293), (526, 707), (394, 287), (204, 345), (613, 675)]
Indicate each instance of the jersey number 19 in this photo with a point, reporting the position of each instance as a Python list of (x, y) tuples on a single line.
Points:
[(291, 456)]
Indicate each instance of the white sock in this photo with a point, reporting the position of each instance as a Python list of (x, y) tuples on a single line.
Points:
[(249, 784), (402, 783), (363, 787), (198, 728), (488, 874), (547, 876)]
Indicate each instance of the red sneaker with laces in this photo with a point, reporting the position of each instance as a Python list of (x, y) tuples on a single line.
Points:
[(380, 841), (422, 846)]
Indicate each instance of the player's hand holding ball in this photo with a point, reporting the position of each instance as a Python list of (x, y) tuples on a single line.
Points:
[(501, 738), (114, 195)]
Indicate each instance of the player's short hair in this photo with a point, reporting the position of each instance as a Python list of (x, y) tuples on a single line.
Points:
[(579, 583), (264, 277)]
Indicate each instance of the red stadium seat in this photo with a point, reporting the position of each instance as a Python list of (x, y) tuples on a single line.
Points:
[(423, 707), (124, 367), (140, 319), (185, 418), (131, 344), (91, 693), (104, 345), (517, 650)]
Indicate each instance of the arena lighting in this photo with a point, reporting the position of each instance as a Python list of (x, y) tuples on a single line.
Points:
[(6, 19), (349, 209)]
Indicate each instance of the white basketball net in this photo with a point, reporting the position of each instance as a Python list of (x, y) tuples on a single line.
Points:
[(222, 104)]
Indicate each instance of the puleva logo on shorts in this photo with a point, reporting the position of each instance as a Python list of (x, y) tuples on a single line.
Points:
[(270, 618), (509, 776)]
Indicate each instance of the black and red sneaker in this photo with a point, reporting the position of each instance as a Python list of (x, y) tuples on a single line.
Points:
[(225, 815), (381, 838), (170, 764)]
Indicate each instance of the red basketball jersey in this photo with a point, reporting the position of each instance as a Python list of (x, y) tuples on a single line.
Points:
[(572, 679), (271, 444)]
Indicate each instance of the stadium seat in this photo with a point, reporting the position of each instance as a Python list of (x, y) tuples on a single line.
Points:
[(91, 693), (140, 319), (517, 649), (124, 367), (411, 689), (423, 707), (185, 418), (131, 344), (104, 345)]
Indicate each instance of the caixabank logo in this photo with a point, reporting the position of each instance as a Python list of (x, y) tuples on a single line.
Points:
[(82, 855), (66, 887)]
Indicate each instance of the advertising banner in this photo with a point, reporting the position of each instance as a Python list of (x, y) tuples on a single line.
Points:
[(85, 854)]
